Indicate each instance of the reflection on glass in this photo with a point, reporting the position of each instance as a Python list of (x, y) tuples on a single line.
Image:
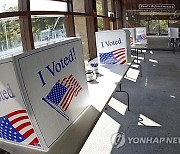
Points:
[(10, 37), (47, 5), (8, 6), (47, 29)]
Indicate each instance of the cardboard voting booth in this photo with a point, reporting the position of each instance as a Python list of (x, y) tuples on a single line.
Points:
[(42, 92), (112, 47), (173, 32), (141, 36), (132, 35)]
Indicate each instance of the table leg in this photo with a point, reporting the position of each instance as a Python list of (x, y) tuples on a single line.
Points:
[(123, 91), (137, 55)]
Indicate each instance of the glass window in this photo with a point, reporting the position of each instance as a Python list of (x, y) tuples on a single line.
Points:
[(47, 30), (164, 27), (144, 23), (99, 7), (47, 5), (81, 31), (100, 24), (78, 6), (10, 37), (8, 6), (155, 27)]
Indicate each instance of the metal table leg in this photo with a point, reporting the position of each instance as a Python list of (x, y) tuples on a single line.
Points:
[(123, 91)]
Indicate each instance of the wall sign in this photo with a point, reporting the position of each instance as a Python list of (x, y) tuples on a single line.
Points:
[(157, 6)]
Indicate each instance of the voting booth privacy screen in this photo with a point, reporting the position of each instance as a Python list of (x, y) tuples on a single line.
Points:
[(41, 93), (141, 35), (132, 35), (112, 47), (173, 32)]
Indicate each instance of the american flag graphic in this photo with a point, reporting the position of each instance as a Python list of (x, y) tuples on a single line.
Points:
[(114, 57), (141, 37), (131, 41), (62, 94), (17, 127)]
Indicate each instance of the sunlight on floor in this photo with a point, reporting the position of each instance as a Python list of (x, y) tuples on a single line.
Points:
[(118, 106), (137, 61), (140, 58), (172, 96), (132, 74), (135, 66), (145, 121), (153, 61), (151, 52), (146, 82)]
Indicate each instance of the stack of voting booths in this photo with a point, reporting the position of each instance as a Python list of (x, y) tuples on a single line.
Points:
[(138, 35), (113, 41), (140, 45), (132, 35), (46, 103), (114, 58), (141, 35)]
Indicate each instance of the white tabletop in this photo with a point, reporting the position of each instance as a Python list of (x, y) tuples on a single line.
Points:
[(101, 89)]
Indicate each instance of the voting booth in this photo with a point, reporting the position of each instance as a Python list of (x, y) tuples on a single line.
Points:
[(42, 92), (132, 35), (113, 46), (173, 32), (141, 36)]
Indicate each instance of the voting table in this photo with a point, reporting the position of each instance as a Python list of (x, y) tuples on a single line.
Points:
[(100, 92), (138, 49), (106, 83)]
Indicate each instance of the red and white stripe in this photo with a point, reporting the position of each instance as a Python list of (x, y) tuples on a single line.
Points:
[(73, 89), (120, 55), (131, 41), (143, 36), (20, 121)]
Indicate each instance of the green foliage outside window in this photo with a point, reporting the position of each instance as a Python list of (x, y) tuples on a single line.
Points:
[(155, 27), (99, 12)]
